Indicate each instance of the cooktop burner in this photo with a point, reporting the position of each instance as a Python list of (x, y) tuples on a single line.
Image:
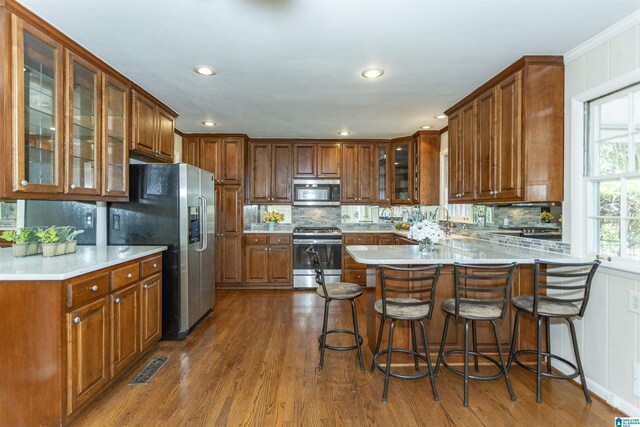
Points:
[(316, 230)]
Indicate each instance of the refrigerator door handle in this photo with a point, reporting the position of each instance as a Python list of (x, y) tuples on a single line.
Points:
[(203, 224)]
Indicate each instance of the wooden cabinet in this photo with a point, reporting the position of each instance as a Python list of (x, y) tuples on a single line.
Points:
[(115, 148), (506, 137), (125, 327), (268, 260), (229, 258), (353, 272), (270, 173), (401, 171), (150, 310), (358, 179), (426, 171), (229, 234), (222, 155), (153, 128), (382, 176), (316, 160)]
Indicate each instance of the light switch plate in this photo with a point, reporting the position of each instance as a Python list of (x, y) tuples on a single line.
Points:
[(634, 302)]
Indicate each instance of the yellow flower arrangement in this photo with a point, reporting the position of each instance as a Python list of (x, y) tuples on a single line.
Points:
[(273, 216), (546, 217)]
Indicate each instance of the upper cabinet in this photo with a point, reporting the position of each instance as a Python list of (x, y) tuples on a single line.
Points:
[(426, 171), (358, 179), (222, 155), (270, 173), (316, 160), (506, 141), (115, 121), (153, 128), (381, 171), (401, 167)]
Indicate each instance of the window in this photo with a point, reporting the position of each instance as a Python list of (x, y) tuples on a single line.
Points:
[(457, 212), (613, 174)]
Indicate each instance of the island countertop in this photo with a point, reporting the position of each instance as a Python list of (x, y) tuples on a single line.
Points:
[(86, 260), (453, 249)]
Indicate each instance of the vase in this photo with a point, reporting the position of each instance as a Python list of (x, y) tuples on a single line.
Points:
[(425, 245), (272, 225)]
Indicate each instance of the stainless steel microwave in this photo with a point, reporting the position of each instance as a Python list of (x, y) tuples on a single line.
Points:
[(316, 192)]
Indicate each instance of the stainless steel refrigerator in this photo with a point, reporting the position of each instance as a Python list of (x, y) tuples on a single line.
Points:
[(172, 205)]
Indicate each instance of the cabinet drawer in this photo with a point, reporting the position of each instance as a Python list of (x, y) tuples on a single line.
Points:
[(349, 263), (385, 239), (151, 266), (280, 239), (124, 275), (355, 276), (256, 240), (84, 289), (359, 239)]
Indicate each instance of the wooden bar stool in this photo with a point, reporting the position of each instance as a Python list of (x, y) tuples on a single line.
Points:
[(412, 302), (340, 291), (574, 281), (481, 294)]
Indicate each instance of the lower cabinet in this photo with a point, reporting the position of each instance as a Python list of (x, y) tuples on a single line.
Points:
[(125, 327), (151, 311), (268, 260), (353, 272)]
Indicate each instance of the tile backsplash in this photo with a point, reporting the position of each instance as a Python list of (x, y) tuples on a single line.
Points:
[(312, 216), (44, 212)]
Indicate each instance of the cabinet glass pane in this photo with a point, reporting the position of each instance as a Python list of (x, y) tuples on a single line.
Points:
[(382, 173), (39, 110), (115, 138), (84, 127), (401, 172)]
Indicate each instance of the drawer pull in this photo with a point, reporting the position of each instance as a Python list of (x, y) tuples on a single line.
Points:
[(129, 276), (76, 320), (117, 301), (94, 288)]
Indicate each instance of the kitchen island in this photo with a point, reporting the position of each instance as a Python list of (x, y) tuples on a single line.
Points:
[(453, 249)]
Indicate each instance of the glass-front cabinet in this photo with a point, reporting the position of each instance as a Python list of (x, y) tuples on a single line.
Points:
[(382, 175), (401, 172), (38, 118), (116, 145), (83, 131)]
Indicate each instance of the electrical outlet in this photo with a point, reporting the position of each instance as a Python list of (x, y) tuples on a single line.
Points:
[(89, 220), (116, 222), (634, 302), (636, 379)]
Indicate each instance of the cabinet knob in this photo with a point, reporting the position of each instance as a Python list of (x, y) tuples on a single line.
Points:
[(145, 287), (24, 182), (73, 186), (266, 249), (108, 190), (221, 181), (117, 301), (155, 265), (129, 276), (76, 320), (94, 288)]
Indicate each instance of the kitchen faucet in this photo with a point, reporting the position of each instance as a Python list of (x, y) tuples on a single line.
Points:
[(390, 217), (447, 226)]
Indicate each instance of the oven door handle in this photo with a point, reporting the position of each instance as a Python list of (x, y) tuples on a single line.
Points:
[(316, 242)]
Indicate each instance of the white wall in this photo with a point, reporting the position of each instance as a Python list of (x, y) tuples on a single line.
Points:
[(608, 336)]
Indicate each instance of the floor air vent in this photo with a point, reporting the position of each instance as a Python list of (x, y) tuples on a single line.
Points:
[(149, 371)]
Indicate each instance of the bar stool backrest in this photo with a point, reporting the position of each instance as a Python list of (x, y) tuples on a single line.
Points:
[(572, 278), (483, 284), (317, 267), (418, 283)]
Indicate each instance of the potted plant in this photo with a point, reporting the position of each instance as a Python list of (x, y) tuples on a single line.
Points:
[(272, 218), (70, 239), (50, 242), (25, 241)]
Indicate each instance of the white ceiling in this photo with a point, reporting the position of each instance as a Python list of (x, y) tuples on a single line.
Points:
[(291, 68)]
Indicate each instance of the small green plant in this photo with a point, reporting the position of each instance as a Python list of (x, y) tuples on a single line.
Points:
[(73, 234), (49, 235), (21, 235)]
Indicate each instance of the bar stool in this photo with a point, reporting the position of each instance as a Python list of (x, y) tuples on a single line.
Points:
[(340, 291), (489, 285), (574, 279), (416, 306)]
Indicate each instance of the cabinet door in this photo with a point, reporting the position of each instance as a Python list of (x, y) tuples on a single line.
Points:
[(366, 164), (328, 161), (453, 180), (191, 150), (115, 148), (87, 352), (280, 270), (84, 138), (231, 258), (256, 264), (125, 326), (144, 124), (349, 185), (486, 121), (385, 239), (304, 160), (166, 135), (230, 209), (402, 173), (150, 311), (467, 152), (281, 191), (382, 174), (260, 173), (209, 156), (231, 161), (509, 143), (38, 110)]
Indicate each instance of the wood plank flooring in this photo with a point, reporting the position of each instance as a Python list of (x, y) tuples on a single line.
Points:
[(253, 362)]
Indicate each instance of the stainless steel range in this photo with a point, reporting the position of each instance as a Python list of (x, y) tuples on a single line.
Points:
[(536, 232), (327, 241)]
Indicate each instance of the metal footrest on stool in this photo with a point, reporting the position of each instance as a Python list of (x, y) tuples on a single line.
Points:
[(575, 374), (338, 348), (475, 377), (415, 376)]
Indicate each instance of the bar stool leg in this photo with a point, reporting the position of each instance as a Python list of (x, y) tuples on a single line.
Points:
[(475, 345), (381, 329), (388, 370), (514, 336), (426, 350), (505, 372), (548, 330), (415, 346), (578, 361), (444, 337), (539, 362), (357, 334), (466, 363), (324, 332)]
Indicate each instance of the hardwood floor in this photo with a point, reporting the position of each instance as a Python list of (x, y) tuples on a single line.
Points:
[(253, 362)]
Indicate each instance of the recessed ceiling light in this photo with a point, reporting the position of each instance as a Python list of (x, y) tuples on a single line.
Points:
[(205, 70), (344, 133), (372, 73), (426, 127), (209, 123), (441, 116)]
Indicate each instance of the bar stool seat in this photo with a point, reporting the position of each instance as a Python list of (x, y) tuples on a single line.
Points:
[(340, 290), (472, 311), (546, 306), (395, 309)]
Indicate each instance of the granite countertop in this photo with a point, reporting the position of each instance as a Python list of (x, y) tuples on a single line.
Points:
[(85, 260), (452, 249)]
